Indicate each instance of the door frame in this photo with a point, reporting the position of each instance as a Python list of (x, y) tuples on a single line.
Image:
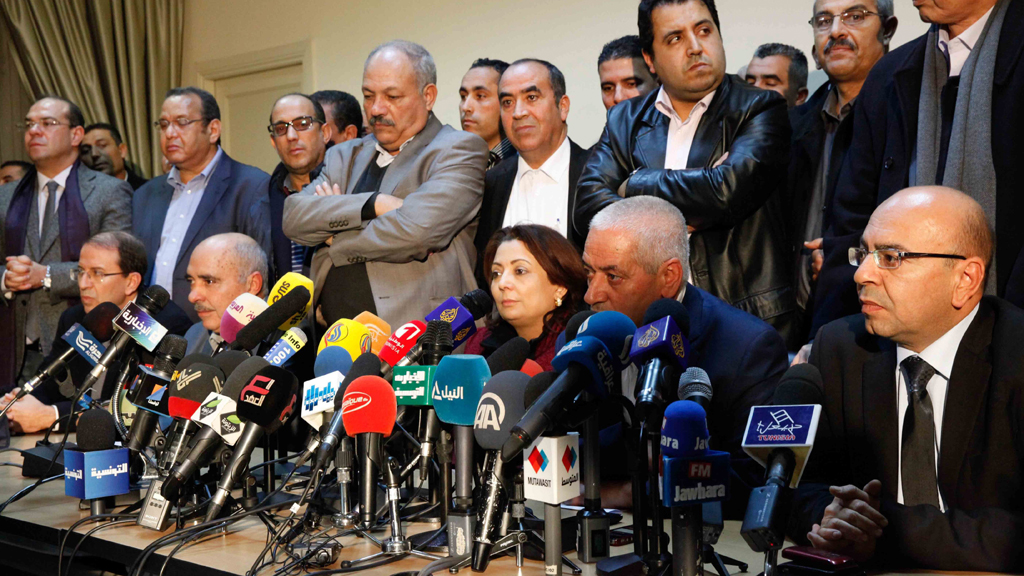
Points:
[(208, 72)]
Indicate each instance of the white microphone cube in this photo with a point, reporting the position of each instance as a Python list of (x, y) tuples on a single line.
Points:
[(551, 469)]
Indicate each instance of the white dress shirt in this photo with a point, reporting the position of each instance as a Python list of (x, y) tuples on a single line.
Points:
[(385, 158), (680, 132), (541, 196), (61, 179), (959, 49), (939, 355)]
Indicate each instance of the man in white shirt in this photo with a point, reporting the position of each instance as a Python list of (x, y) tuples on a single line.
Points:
[(538, 185), (919, 457)]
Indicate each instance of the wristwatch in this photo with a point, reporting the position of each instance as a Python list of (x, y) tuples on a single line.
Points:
[(46, 279)]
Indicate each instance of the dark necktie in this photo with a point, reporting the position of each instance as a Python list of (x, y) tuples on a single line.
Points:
[(51, 189), (917, 459)]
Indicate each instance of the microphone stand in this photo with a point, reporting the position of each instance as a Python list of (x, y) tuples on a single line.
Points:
[(439, 542), (593, 536)]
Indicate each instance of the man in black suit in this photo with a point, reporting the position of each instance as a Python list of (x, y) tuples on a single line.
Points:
[(103, 150), (205, 193), (537, 186), (635, 254), (110, 269), (921, 463), (941, 109), (712, 145)]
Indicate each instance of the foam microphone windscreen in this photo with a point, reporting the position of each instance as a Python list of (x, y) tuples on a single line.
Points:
[(96, 430), (531, 368), (154, 299), (502, 405), (330, 359), (365, 365), (240, 312), (228, 361), (277, 313), (684, 430), (536, 386), (267, 395), (800, 384), (286, 284), (509, 356), (458, 383), (672, 308), (401, 341), (613, 329), (478, 302), (380, 330), (186, 362), (242, 375), (100, 321), (350, 335), (193, 385), (369, 405), (572, 327), (169, 352)]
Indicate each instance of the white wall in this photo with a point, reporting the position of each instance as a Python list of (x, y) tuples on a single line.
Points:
[(569, 33)]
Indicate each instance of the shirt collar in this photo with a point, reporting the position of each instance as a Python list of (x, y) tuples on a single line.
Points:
[(941, 353), (968, 38), (554, 166), (503, 149), (664, 105), (830, 104), (174, 176), (61, 178), (385, 158)]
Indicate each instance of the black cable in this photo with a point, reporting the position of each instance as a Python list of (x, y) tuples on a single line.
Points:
[(194, 539), (15, 464), (21, 493), (274, 540), (348, 568), (71, 530), (13, 449), (74, 551)]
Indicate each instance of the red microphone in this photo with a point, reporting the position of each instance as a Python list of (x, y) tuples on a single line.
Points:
[(368, 410), (531, 368), (400, 343)]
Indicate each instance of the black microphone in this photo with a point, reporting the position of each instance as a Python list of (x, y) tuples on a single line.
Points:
[(367, 364), (509, 356), (264, 404), (695, 385), (660, 349), (250, 335), (168, 354), (184, 396), (98, 432), (471, 307)]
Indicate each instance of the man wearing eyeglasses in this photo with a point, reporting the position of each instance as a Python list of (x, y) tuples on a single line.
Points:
[(206, 193), (941, 109), (46, 217), (300, 134), (921, 463), (110, 269)]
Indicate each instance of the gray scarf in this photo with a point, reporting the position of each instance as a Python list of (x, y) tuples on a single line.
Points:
[(969, 165)]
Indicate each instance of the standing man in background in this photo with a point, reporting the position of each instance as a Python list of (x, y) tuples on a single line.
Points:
[(103, 150), (781, 68), (623, 72), (479, 110), (341, 111)]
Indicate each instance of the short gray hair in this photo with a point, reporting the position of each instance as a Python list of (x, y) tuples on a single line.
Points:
[(249, 258), (657, 227), (422, 61)]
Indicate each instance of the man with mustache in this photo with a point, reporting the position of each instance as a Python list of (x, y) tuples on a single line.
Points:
[(221, 268), (478, 108), (104, 150), (205, 193), (850, 36), (300, 134), (712, 145), (539, 184), (396, 207), (941, 109), (47, 217), (921, 464)]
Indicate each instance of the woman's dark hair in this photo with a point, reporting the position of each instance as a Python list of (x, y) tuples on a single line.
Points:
[(556, 255)]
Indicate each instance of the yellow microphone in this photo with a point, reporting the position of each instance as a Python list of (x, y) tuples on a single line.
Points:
[(380, 330), (348, 334), (286, 284)]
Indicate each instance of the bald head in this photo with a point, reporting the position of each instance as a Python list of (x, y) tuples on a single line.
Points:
[(221, 268)]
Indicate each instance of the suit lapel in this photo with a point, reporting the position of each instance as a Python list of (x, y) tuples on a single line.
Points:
[(361, 162), (503, 191), (577, 161), (651, 140), (407, 158), (215, 189), (907, 84), (880, 421), (967, 391), (709, 132), (32, 234)]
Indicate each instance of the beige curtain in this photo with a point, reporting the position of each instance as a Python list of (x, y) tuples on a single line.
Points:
[(114, 58)]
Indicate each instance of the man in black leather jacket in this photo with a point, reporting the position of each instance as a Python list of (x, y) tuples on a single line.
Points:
[(712, 145)]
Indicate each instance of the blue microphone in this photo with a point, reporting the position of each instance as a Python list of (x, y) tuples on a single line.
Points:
[(330, 359), (96, 471), (454, 313), (661, 350)]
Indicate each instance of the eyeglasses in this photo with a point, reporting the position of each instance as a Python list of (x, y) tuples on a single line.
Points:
[(96, 276), (890, 259), (852, 18), (301, 124), (45, 124), (163, 125)]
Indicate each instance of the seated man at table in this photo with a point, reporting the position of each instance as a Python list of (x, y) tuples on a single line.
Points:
[(110, 269), (636, 254), (921, 463)]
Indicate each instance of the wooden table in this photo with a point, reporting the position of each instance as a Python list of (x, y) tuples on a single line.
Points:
[(31, 529)]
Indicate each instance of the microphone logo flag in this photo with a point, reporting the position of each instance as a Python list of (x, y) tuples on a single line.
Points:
[(209, 408), (490, 413), (782, 425), (354, 401), (255, 394), (219, 413), (230, 424), (409, 331), (553, 484), (84, 343), (679, 345), (773, 427), (140, 326), (648, 337), (449, 315), (413, 384)]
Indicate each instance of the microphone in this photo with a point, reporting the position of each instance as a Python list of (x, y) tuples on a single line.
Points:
[(531, 368), (380, 330), (220, 424), (291, 342), (366, 365), (511, 355), (283, 308), (592, 361), (264, 404), (692, 475), (170, 352), (228, 361), (331, 359), (572, 327), (695, 386), (184, 396), (240, 312), (290, 281), (350, 335), (96, 471), (369, 410), (661, 350), (502, 404), (401, 343), (780, 437)]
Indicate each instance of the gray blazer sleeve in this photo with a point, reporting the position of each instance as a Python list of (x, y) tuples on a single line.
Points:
[(310, 219), (445, 202)]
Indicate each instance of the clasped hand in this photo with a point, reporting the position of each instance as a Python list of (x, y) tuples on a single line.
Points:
[(852, 523)]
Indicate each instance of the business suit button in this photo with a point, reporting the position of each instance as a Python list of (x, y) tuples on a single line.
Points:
[(888, 163), (338, 223)]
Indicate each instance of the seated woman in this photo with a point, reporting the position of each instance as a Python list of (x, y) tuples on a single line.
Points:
[(537, 281)]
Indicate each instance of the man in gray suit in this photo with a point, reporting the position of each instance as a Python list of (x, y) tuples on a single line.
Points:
[(395, 208), (46, 218)]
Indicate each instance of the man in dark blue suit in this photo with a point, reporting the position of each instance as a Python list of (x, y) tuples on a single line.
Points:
[(205, 193), (634, 255)]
